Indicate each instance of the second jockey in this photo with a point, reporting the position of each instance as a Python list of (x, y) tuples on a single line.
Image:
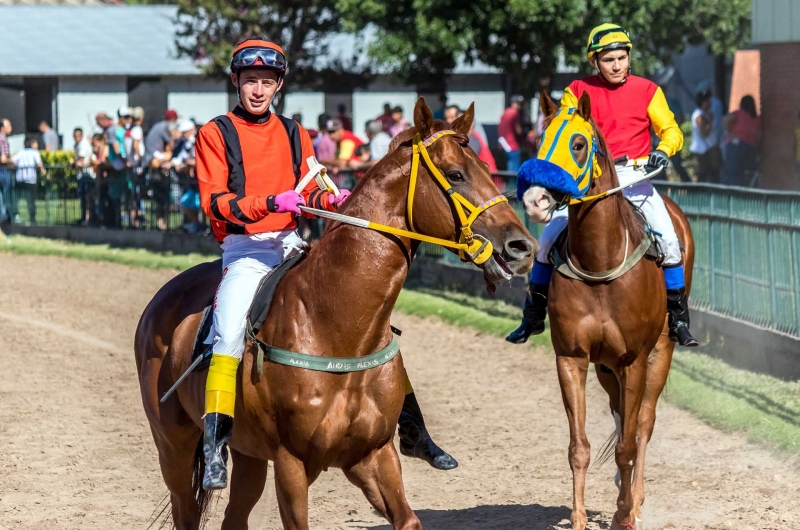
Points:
[(624, 107), (247, 173)]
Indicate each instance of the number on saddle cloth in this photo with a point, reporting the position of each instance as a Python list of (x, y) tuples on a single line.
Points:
[(259, 309)]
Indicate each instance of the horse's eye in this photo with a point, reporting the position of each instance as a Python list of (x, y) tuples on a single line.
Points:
[(455, 176), (578, 146)]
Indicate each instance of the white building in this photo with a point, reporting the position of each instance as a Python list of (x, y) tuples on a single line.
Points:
[(65, 63)]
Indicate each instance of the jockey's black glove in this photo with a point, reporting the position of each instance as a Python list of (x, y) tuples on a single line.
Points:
[(657, 159)]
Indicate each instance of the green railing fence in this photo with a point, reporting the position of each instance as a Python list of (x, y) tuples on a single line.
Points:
[(747, 242), (747, 252)]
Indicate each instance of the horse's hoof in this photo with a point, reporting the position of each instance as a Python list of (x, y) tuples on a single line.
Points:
[(215, 477), (638, 524), (616, 525)]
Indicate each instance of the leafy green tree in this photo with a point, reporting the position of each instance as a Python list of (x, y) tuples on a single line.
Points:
[(422, 41), (208, 31)]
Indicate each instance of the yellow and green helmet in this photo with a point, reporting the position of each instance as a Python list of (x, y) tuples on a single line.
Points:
[(607, 37)]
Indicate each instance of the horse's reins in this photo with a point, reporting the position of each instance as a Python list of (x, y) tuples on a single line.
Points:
[(470, 246)]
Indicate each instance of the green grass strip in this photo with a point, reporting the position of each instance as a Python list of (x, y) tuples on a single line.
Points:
[(125, 256), (766, 408)]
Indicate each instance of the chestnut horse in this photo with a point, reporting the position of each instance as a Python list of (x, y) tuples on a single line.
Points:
[(335, 303), (619, 325)]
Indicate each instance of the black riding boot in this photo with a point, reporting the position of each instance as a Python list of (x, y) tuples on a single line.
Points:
[(533, 314), (217, 433), (415, 440), (678, 312)]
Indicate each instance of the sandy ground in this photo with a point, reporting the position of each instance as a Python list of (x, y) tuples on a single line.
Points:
[(76, 451)]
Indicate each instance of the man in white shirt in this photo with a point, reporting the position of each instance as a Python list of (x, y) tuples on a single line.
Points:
[(86, 177), (27, 161), (378, 140)]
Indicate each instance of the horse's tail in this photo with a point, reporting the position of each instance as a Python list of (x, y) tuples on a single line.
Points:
[(606, 450), (202, 496)]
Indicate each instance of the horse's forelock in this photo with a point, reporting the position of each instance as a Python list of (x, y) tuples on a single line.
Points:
[(406, 136)]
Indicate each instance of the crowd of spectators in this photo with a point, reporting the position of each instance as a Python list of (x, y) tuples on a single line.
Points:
[(124, 177)]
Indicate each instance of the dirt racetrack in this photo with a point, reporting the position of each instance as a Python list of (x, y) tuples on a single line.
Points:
[(76, 451)]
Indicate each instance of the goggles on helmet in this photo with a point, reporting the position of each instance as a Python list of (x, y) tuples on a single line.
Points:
[(597, 38), (259, 57)]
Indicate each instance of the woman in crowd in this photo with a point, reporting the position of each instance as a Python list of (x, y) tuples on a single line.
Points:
[(702, 145), (743, 127)]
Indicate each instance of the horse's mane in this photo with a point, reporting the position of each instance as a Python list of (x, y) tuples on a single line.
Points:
[(626, 210)]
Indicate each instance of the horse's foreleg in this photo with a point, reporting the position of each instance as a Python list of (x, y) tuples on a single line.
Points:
[(572, 379), (657, 373), (380, 478), (248, 478), (632, 383), (291, 485)]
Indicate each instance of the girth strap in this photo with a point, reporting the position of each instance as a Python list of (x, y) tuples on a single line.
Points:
[(334, 365), (604, 276)]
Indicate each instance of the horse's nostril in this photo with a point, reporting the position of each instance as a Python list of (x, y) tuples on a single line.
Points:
[(519, 248)]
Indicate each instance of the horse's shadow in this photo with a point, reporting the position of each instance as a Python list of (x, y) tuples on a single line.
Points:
[(500, 517)]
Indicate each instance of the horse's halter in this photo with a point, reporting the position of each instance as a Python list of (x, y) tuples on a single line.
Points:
[(470, 246)]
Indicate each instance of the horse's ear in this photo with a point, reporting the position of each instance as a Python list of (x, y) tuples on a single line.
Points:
[(585, 106), (463, 123), (546, 105), (423, 118)]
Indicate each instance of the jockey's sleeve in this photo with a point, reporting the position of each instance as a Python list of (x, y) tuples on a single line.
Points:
[(315, 197), (569, 99), (664, 124), (218, 202)]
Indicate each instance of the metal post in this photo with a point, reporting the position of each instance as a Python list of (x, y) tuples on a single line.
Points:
[(773, 301), (731, 232)]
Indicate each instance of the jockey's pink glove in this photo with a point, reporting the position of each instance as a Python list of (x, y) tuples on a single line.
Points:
[(286, 202), (337, 201)]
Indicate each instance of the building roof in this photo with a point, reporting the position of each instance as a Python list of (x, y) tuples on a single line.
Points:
[(81, 38), (64, 40)]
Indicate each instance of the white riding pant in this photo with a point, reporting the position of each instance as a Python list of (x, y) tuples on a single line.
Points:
[(246, 260), (644, 196)]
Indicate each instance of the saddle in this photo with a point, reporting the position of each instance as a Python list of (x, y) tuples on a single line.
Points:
[(648, 248), (256, 316)]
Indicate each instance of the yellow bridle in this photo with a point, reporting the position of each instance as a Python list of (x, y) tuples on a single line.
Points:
[(470, 245)]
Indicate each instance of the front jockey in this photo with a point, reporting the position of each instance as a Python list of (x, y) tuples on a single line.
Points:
[(624, 107), (247, 177)]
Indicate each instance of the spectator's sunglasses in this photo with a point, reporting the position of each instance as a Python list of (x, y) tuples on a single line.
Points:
[(250, 56)]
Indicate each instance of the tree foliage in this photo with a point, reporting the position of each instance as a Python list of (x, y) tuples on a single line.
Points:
[(423, 40), (208, 31)]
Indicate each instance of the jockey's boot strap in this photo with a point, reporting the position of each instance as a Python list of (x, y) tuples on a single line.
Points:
[(216, 434), (415, 440), (678, 318), (533, 315)]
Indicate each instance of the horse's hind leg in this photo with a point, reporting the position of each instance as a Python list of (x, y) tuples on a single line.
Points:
[(248, 478), (381, 480), (572, 379), (632, 384), (658, 364), (177, 452)]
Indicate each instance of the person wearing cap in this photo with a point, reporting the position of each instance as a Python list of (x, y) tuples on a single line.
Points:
[(624, 107), (159, 136), (246, 176), (509, 132), (346, 144)]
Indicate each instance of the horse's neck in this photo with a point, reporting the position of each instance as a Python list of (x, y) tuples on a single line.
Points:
[(597, 229), (359, 272)]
